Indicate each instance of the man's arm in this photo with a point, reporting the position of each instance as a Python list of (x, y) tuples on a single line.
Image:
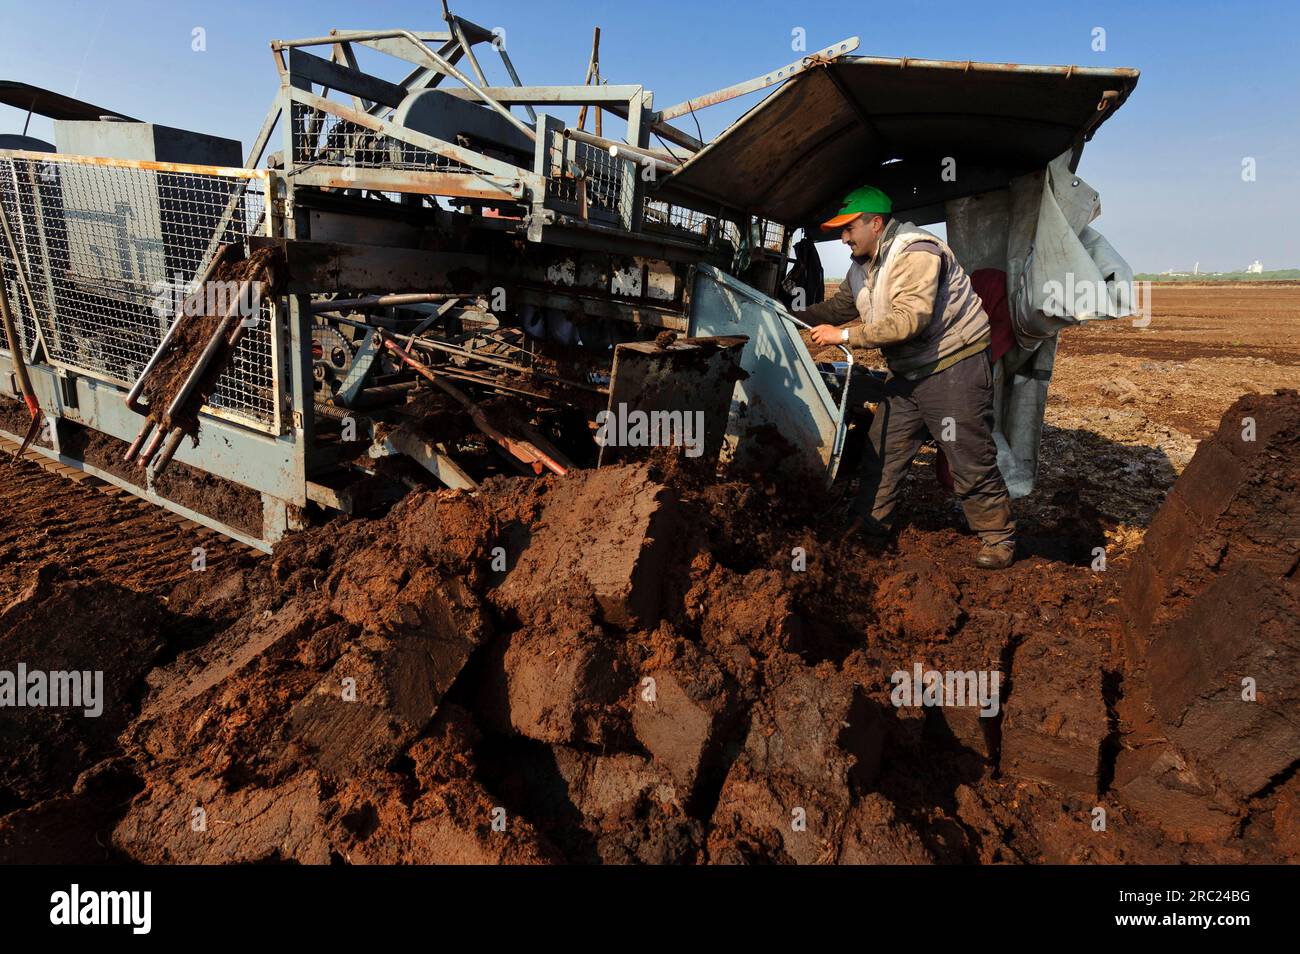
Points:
[(913, 288), (836, 310)]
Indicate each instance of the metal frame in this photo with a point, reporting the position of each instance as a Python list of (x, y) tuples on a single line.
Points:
[(39, 234), (476, 177), (579, 200), (797, 395), (259, 454)]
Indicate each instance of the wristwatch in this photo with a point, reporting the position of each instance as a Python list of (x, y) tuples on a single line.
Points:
[(844, 335)]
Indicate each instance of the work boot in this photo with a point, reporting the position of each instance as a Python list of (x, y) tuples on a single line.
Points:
[(996, 556), (869, 529)]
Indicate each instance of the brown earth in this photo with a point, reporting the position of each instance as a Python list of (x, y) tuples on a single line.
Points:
[(652, 674), (642, 664), (236, 506), (50, 521), (15, 418), (1128, 404)]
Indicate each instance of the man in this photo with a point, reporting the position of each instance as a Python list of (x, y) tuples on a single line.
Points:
[(906, 294)]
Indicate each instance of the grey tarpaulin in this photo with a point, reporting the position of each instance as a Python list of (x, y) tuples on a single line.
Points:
[(1059, 271)]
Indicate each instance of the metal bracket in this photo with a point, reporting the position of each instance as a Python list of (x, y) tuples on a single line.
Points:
[(363, 362)]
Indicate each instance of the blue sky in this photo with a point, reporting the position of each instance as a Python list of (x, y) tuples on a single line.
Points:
[(1220, 82)]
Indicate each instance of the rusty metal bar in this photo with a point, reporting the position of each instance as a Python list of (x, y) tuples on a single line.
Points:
[(133, 397), (458, 184), (168, 451), (451, 71), (593, 69), (16, 354), (623, 149), (453, 23), (148, 164), (971, 66), (771, 78), (524, 451), (423, 76), (358, 36), (476, 356), (466, 157), (514, 78), (382, 301), (263, 135), (205, 358)]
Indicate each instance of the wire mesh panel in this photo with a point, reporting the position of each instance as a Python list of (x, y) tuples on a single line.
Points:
[(322, 138), (773, 236), (108, 250), (578, 172), (687, 223), (15, 289)]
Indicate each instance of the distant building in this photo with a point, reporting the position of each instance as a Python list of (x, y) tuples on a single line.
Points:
[(1255, 268)]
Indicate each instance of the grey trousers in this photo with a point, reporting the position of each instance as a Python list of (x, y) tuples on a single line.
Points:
[(956, 407)]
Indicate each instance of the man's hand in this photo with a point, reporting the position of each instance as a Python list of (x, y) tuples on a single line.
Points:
[(827, 335)]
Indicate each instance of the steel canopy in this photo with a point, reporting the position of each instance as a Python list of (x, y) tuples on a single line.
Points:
[(892, 123)]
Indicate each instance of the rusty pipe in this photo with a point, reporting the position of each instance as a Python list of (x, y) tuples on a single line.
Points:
[(168, 451), (151, 448), (138, 443), (224, 333), (133, 398), (16, 351), (521, 450), (381, 301), (629, 152)]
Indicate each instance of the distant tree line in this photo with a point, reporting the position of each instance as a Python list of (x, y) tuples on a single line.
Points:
[(1277, 275)]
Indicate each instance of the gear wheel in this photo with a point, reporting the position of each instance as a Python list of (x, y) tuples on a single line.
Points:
[(332, 355)]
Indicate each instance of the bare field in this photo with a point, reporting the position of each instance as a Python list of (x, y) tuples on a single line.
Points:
[(1128, 405), (1205, 346)]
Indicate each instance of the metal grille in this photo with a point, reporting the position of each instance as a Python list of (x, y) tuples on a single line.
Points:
[(688, 223), (573, 166), (773, 236), (107, 250), (322, 138)]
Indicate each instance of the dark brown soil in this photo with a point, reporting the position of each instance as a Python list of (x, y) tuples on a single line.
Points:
[(61, 624), (49, 520), (237, 506), (1213, 609), (15, 418), (99, 450), (642, 664)]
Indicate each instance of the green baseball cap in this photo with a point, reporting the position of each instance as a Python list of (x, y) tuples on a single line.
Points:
[(864, 200)]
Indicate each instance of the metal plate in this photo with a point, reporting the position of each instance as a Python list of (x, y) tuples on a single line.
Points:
[(784, 389), (792, 157), (693, 376)]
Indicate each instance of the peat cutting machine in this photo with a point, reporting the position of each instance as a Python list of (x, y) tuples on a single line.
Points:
[(449, 281)]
